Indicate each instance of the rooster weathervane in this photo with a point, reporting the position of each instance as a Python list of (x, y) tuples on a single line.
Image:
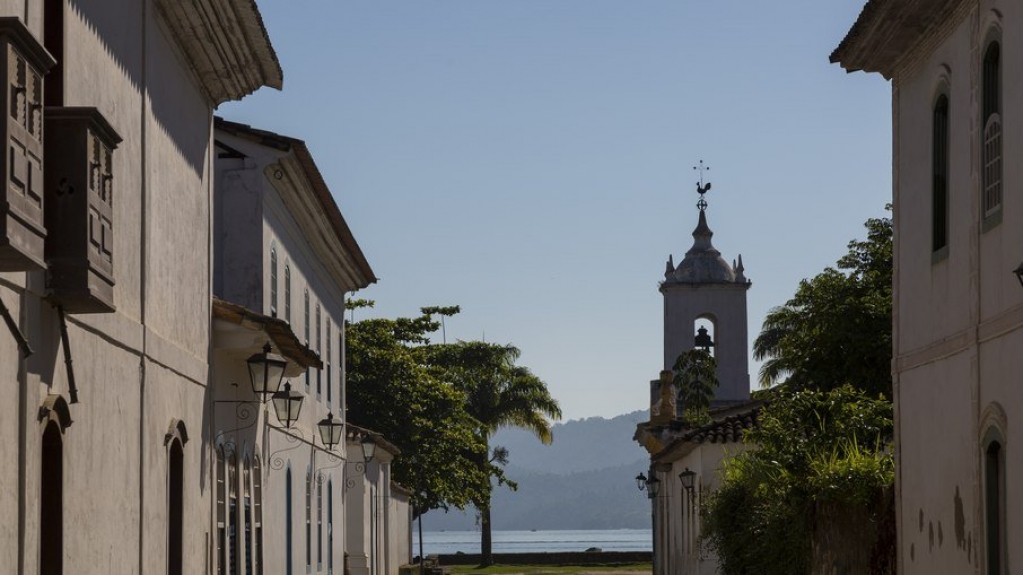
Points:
[(702, 188)]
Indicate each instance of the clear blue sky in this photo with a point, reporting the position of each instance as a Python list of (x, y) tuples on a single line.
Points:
[(531, 160)]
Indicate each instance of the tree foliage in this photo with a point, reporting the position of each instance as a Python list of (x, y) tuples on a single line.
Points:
[(498, 394), (696, 380), (837, 327), (392, 390), (812, 448), (440, 403)]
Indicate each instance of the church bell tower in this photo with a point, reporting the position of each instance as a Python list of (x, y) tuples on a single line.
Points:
[(705, 289)]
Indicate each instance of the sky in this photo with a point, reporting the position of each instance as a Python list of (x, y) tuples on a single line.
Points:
[(532, 160)]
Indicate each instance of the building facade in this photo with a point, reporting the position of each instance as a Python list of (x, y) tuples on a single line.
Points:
[(106, 273), (958, 307), (286, 259)]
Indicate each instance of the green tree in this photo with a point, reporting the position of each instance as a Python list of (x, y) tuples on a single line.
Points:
[(814, 449), (499, 394), (392, 390), (695, 379), (837, 327)]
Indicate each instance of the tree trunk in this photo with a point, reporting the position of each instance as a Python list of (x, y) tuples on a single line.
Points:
[(486, 541)]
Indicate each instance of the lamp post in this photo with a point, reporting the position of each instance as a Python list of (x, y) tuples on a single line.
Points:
[(266, 370), (287, 405), (687, 477)]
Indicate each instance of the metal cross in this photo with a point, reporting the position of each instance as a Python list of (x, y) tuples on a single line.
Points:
[(702, 188)]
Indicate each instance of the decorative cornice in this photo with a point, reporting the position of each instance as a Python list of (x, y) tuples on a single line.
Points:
[(886, 30), (306, 195), (227, 45)]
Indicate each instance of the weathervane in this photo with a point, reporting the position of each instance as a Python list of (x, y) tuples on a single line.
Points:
[(702, 188)]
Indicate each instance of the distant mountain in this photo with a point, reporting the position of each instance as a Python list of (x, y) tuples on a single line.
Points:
[(579, 445), (583, 480)]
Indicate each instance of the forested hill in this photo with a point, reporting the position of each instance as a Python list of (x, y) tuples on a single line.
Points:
[(583, 480)]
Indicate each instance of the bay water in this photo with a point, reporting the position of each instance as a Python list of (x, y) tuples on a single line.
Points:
[(450, 542)]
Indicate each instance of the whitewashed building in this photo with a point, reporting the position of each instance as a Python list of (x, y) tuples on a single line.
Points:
[(285, 261), (955, 71), (106, 274)]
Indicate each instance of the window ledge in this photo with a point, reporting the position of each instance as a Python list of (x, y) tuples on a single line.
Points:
[(991, 221), (939, 255)]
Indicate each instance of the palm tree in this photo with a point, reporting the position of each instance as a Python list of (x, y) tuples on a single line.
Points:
[(696, 380), (498, 394)]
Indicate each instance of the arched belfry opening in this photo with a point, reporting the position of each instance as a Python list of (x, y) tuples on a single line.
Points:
[(706, 292), (705, 334)]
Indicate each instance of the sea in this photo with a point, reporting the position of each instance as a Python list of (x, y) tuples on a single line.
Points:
[(450, 542)]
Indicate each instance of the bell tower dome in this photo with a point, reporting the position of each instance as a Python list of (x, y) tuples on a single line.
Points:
[(706, 289)]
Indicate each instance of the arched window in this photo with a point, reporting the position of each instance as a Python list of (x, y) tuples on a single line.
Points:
[(273, 280), (307, 327), (939, 175), (247, 513), (221, 494), (992, 123), (319, 525), (51, 504), (232, 513), (330, 527), (994, 506), (309, 517), (288, 524), (175, 508), (319, 350), (326, 363), (287, 291), (257, 520)]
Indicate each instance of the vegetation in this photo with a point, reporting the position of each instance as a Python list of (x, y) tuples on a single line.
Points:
[(814, 448), (628, 568), (440, 404), (391, 390), (822, 469), (837, 327), (695, 379), (498, 394)]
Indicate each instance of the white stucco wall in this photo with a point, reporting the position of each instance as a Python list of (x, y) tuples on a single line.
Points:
[(957, 316)]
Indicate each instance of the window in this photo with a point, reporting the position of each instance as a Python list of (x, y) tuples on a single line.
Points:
[(319, 525), (319, 350), (221, 513), (326, 362), (330, 527), (53, 39), (289, 536), (175, 508), (308, 518), (992, 122), (247, 513), (994, 506), (51, 504), (287, 292), (273, 281), (939, 175), (232, 513), (257, 523), (306, 310)]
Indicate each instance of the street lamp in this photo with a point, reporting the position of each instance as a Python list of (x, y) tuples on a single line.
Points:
[(687, 477), (287, 405), (369, 448), (330, 430), (265, 372), (653, 486), (641, 482)]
